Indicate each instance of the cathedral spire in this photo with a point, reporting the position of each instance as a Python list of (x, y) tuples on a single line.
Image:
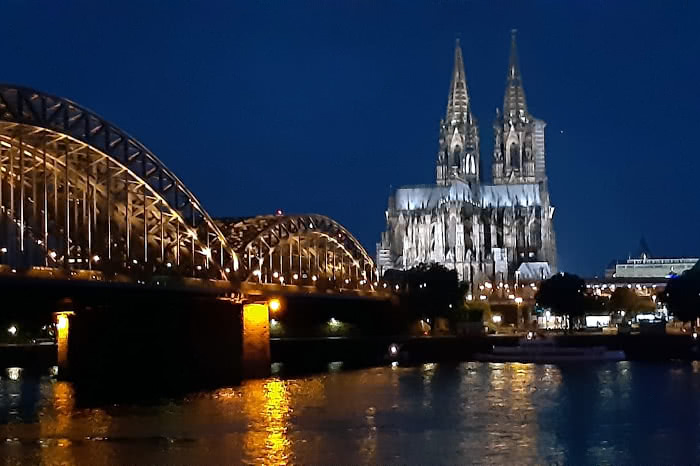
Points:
[(458, 100), (514, 100)]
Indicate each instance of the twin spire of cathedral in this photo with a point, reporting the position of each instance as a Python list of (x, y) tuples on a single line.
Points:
[(514, 100), (458, 100), (515, 148)]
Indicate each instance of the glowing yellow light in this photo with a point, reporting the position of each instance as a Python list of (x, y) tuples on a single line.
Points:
[(518, 300), (206, 252), (497, 319), (275, 305), (62, 322)]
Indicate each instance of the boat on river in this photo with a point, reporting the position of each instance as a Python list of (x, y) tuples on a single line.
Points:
[(543, 349)]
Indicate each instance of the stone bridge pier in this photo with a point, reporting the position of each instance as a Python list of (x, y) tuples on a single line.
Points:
[(184, 341)]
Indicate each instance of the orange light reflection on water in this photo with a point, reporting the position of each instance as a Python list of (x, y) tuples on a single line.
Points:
[(266, 405)]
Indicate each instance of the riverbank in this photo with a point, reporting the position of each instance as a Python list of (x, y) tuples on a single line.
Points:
[(317, 353), (415, 350)]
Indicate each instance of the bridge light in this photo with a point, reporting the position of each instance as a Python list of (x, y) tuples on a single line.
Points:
[(12, 330), (282, 280), (519, 300), (199, 267), (511, 296), (134, 261), (347, 281), (257, 273), (314, 277), (96, 258), (13, 373), (275, 274), (274, 305), (206, 252), (192, 234), (295, 276), (279, 212), (4, 250), (397, 287), (227, 270), (168, 265), (497, 319)]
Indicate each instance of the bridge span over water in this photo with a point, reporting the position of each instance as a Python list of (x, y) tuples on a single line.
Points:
[(82, 199), (96, 229)]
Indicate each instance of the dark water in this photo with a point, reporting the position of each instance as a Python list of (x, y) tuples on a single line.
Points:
[(617, 413)]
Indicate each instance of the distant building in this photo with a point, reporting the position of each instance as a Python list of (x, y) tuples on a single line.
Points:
[(499, 232), (646, 267), (643, 265)]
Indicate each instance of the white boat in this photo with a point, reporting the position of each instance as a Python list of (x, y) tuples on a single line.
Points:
[(545, 350)]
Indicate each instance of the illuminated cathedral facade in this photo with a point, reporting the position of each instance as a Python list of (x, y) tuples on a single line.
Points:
[(501, 231)]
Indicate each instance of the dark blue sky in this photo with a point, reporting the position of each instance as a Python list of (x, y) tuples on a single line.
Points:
[(312, 107)]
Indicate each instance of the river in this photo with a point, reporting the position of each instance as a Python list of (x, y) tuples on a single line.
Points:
[(626, 412)]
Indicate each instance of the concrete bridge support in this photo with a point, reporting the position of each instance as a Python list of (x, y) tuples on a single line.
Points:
[(256, 340), (188, 343)]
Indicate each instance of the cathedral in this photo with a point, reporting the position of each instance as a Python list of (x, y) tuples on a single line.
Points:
[(501, 231)]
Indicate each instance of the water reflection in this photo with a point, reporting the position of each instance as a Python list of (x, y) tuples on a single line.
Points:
[(490, 413), (267, 408)]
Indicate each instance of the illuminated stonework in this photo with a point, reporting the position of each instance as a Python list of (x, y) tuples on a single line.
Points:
[(483, 231)]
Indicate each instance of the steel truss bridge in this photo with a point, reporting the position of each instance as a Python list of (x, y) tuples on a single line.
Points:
[(81, 198)]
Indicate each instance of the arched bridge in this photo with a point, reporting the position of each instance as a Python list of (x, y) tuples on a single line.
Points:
[(311, 250), (79, 194)]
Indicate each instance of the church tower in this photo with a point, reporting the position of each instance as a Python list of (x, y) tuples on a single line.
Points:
[(458, 155), (518, 154)]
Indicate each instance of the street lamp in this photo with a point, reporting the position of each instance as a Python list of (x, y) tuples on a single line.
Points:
[(274, 304)]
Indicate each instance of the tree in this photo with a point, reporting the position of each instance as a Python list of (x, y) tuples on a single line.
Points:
[(682, 295), (623, 299), (428, 289), (563, 294)]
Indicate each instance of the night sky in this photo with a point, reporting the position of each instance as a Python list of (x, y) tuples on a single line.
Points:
[(312, 107)]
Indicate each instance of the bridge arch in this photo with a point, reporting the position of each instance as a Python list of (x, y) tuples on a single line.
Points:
[(304, 249), (77, 192)]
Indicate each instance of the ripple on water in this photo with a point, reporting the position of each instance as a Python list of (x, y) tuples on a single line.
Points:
[(494, 413)]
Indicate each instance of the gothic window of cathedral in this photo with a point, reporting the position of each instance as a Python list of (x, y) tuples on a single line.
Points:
[(514, 156), (535, 235), (499, 228), (520, 235)]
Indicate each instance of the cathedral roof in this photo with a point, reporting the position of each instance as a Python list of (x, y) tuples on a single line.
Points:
[(430, 196), (509, 195)]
